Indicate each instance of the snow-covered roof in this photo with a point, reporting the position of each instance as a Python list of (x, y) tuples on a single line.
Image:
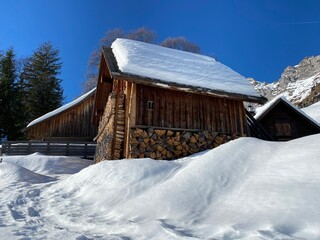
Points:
[(261, 111), (179, 67), (62, 108), (313, 111)]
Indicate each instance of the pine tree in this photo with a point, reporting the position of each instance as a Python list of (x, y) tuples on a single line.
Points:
[(9, 106), (43, 88)]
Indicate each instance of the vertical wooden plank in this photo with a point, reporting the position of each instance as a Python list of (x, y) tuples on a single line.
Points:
[(232, 116), (200, 112), (195, 111), (183, 115), (169, 109), (141, 105), (127, 108), (176, 99), (133, 105), (187, 102), (156, 105), (161, 111), (236, 117), (212, 114), (221, 115), (242, 118), (216, 115), (149, 112), (227, 115), (207, 109)]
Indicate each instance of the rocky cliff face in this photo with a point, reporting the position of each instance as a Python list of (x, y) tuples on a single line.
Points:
[(300, 84)]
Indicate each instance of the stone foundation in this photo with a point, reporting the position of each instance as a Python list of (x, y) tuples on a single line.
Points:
[(173, 144)]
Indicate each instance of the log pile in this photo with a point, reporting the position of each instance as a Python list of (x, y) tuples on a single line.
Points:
[(119, 129), (105, 132), (173, 144)]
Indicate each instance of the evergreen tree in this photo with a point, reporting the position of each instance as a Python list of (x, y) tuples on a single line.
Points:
[(9, 105), (42, 86)]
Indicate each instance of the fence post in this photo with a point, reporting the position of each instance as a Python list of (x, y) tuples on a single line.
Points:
[(9, 148), (67, 149), (85, 150), (29, 148), (47, 148)]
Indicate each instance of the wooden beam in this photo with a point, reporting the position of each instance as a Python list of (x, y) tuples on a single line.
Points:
[(128, 104)]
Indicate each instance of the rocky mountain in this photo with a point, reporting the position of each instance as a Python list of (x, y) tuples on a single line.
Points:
[(300, 84)]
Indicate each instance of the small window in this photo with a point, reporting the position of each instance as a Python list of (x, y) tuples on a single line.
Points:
[(150, 105), (283, 129)]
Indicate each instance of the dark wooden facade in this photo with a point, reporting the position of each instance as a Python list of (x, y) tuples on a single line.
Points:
[(71, 124), (165, 108), (284, 122)]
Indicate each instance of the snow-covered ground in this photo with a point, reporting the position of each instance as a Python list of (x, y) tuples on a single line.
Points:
[(245, 189)]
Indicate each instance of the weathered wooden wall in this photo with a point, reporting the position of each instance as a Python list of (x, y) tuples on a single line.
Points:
[(74, 124), (177, 109), (179, 123)]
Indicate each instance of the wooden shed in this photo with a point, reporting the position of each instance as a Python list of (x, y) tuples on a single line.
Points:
[(71, 122), (284, 121), (163, 103)]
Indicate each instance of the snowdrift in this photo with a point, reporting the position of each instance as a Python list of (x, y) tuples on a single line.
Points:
[(11, 173), (247, 188), (43, 164)]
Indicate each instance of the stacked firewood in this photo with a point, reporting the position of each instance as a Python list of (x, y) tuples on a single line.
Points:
[(173, 144)]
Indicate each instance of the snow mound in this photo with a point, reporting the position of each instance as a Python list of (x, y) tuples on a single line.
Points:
[(44, 164), (11, 173), (238, 190)]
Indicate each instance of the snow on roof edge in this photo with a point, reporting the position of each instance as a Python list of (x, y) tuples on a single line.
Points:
[(272, 103), (142, 59), (60, 109)]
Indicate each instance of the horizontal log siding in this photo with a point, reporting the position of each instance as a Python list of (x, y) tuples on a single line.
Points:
[(73, 123), (177, 109)]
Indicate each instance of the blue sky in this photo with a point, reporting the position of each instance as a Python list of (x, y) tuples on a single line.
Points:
[(257, 38)]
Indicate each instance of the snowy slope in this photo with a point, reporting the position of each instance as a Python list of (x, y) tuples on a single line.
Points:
[(313, 111), (170, 65), (43, 164), (12, 173), (245, 189)]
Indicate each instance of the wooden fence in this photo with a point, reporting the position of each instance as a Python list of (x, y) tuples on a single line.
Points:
[(78, 149)]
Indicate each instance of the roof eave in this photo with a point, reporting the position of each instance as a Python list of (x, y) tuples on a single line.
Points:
[(59, 113), (184, 87)]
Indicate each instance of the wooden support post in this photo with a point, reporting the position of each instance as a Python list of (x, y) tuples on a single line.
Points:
[(85, 150), (67, 152)]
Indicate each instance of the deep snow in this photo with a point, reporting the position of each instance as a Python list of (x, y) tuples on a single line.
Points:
[(171, 65), (245, 189)]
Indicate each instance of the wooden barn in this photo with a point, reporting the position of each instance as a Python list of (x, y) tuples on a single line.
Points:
[(71, 122), (284, 121), (163, 103)]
